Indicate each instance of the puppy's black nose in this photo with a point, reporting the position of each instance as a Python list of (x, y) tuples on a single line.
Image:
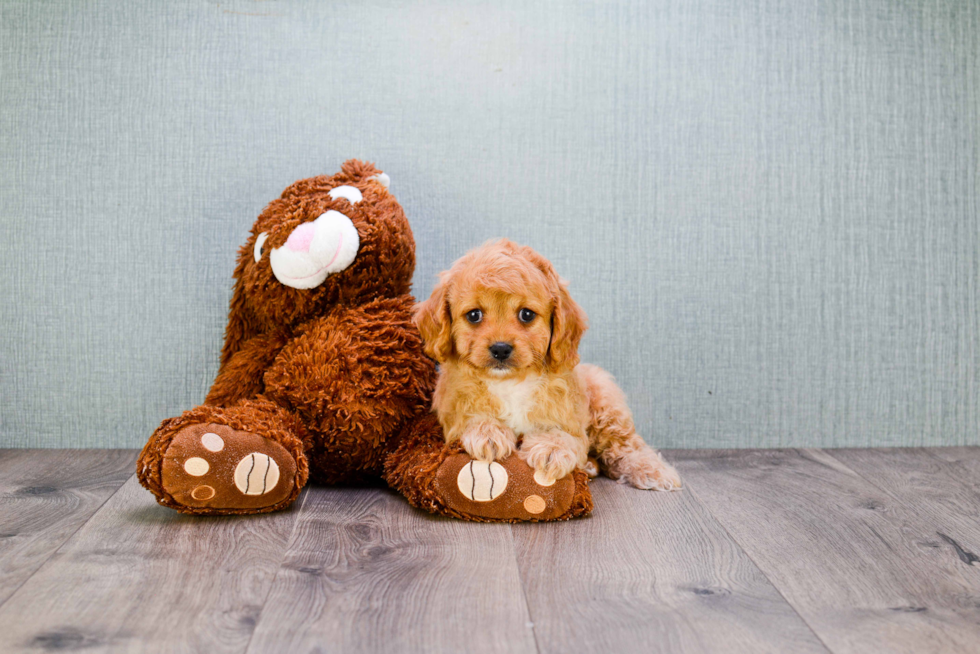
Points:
[(501, 351)]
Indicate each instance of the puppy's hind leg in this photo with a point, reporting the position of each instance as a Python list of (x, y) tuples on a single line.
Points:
[(623, 455)]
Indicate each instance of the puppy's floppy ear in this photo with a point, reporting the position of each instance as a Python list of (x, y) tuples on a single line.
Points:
[(568, 323), (568, 320), (434, 320)]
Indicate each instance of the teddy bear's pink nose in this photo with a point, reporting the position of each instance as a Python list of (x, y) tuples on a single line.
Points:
[(300, 239)]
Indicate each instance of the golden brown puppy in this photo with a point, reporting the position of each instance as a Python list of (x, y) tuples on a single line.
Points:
[(505, 332)]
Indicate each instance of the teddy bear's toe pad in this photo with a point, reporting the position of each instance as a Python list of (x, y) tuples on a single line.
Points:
[(505, 490), (216, 467)]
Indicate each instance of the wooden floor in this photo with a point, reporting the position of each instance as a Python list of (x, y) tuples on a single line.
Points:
[(764, 551)]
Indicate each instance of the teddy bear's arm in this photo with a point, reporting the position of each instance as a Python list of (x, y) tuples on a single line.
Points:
[(356, 374), (240, 377)]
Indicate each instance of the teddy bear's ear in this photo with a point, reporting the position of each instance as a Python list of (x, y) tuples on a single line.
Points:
[(357, 170), (242, 323)]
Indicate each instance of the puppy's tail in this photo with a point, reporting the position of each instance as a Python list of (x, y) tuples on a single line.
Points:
[(622, 454)]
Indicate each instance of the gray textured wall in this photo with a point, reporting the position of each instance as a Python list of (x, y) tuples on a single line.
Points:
[(768, 208)]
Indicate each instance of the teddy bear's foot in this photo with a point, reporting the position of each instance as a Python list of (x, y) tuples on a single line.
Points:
[(502, 490), (212, 466), (443, 479), (248, 458)]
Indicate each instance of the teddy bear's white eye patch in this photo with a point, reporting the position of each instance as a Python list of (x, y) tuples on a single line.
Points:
[(349, 193), (258, 245)]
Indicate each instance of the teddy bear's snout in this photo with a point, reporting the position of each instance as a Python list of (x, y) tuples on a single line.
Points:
[(301, 238), (315, 250)]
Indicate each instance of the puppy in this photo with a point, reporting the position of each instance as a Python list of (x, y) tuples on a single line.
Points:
[(505, 333)]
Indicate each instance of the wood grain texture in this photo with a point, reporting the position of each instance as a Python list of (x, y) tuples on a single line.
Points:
[(367, 573), (45, 496), (943, 491), (966, 461), (650, 572), (139, 577), (784, 551), (866, 570)]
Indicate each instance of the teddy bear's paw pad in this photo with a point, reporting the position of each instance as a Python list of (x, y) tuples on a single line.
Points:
[(257, 474), (480, 481), (216, 467), (504, 490)]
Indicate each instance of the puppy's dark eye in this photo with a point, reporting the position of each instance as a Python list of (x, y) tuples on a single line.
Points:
[(474, 316), (525, 315)]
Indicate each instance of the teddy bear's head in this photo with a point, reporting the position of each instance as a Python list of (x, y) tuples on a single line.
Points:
[(326, 241)]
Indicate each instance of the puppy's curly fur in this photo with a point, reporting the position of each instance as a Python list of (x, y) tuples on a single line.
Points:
[(505, 332)]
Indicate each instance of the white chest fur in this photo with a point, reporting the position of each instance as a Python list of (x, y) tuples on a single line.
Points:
[(516, 400)]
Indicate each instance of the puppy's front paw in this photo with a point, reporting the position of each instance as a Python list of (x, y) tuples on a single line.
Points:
[(551, 459), (591, 468), (647, 470), (488, 442)]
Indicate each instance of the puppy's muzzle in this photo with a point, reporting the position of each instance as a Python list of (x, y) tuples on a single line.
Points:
[(501, 351)]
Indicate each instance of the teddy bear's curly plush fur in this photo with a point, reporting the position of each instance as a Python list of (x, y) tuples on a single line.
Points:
[(327, 380)]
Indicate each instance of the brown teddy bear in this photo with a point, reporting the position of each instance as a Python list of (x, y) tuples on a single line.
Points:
[(323, 373)]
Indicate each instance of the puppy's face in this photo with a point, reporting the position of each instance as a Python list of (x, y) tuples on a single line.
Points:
[(502, 330), (502, 309)]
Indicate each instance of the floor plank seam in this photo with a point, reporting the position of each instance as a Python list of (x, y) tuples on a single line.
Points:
[(690, 489), (300, 505), (960, 552), (889, 493), (863, 477), (929, 451), (56, 550), (527, 604)]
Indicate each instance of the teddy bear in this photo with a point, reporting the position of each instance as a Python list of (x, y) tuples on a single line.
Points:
[(323, 376)]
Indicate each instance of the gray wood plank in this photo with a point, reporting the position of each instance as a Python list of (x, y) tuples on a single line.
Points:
[(365, 572), (139, 577), (862, 567), (45, 496), (966, 460), (651, 572), (943, 491)]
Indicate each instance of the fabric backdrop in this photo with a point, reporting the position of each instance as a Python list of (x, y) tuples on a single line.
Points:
[(769, 208)]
